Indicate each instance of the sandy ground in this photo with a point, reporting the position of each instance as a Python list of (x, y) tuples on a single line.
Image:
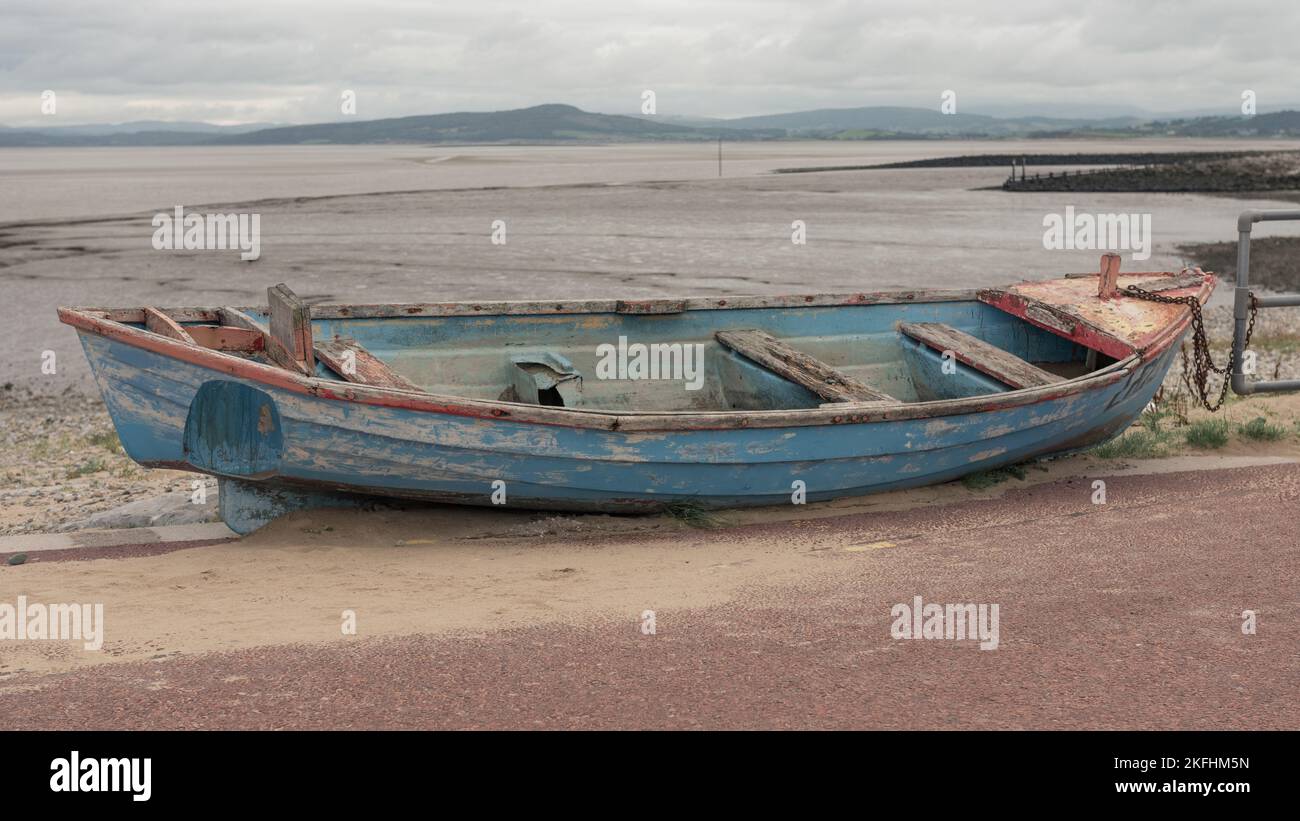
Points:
[(438, 569), (1126, 614)]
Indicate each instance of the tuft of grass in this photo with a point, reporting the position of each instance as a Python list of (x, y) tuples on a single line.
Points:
[(85, 469), (1138, 444), (107, 440), (1283, 343), (51, 447), (1150, 420), (1168, 405), (1208, 434), (693, 514), (1261, 430), (989, 478)]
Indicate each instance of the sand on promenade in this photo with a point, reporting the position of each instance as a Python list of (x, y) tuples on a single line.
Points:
[(1127, 614)]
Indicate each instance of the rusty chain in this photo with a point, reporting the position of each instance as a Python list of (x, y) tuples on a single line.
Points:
[(1199, 383)]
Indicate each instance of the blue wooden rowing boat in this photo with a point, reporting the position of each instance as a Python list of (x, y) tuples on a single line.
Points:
[(629, 405)]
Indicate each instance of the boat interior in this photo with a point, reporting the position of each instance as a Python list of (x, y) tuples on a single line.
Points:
[(740, 359), (655, 357), (664, 355)]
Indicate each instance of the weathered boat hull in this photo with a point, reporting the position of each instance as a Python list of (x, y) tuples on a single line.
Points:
[(793, 398), (314, 448)]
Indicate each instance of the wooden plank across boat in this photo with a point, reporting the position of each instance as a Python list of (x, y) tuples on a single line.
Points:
[(629, 405)]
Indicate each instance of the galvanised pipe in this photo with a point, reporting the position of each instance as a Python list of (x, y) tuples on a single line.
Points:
[(1241, 304)]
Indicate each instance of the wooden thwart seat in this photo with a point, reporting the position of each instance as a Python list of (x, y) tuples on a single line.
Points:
[(289, 342), (158, 322), (798, 367), (980, 355), (350, 360), (273, 348), (227, 338), (216, 337)]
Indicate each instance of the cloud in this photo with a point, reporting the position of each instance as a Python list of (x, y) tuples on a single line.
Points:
[(290, 61)]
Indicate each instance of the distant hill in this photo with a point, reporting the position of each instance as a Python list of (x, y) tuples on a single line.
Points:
[(1276, 124), (543, 123), (1272, 125), (140, 132), (556, 123), (18, 138), (872, 118), (860, 123), (149, 127)]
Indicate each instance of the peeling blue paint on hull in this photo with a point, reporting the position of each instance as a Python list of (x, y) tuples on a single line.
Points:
[(306, 448)]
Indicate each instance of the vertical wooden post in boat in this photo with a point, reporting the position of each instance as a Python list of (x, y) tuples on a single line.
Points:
[(291, 328), (1108, 287)]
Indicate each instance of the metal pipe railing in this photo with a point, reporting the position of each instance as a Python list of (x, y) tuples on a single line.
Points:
[(1241, 304)]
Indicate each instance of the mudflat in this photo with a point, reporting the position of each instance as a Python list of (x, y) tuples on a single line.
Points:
[(413, 224)]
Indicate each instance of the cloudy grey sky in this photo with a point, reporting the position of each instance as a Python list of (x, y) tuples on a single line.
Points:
[(288, 61)]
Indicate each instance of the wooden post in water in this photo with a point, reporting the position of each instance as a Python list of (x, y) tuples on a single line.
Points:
[(719, 156)]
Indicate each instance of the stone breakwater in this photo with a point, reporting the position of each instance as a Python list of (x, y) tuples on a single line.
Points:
[(1278, 171)]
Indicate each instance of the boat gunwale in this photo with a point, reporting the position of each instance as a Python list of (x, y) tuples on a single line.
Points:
[(109, 323), (626, 307)]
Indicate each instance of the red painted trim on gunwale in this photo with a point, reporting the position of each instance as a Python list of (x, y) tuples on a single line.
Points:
[(627, 422)]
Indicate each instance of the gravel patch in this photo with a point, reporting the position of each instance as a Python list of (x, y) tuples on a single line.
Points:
[(61, 463)]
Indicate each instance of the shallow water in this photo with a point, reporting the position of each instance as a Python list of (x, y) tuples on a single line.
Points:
[(45, 183)]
